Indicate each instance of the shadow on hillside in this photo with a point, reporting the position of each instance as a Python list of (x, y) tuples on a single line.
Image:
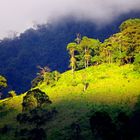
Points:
[(98, 124), (123, 127)]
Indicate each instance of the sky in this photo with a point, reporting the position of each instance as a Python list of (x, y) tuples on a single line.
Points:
[(19, 15)]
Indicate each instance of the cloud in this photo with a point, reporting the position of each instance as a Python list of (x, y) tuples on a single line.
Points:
[(18, 15)]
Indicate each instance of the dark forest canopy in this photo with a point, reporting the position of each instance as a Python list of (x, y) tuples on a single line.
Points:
[(45, 45)]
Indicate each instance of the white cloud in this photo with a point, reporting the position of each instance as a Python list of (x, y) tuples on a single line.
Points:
[(18, 15)]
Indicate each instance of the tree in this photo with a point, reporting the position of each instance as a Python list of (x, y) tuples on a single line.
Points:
[(123, 46), (35, 118), (102, 126), (108, 49), (78, 39), (130, 22), (34, 114), (95, 51), (96, 59), (35, 82), (44, 75), (56, 75), (43, 70), (72, 47), (12, 93), (85, 47), (85, 82), (3, 83), (83, 51), (88, 48), (34, 98)]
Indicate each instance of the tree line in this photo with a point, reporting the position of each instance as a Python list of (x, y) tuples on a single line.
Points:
[(121, 48)]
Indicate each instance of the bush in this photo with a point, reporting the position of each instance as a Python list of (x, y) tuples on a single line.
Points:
[(34, 98), (12, 93), (29, 102), (22, 118), (35, 118), (41, 97)]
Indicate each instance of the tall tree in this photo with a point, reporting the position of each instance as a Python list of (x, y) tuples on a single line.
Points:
[(72, 48), (90, 47), (3, 84), (123, 46), (85, 47)]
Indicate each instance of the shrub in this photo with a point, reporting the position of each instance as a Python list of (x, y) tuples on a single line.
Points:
[(3, 82), (34, 98), (41, 97), (37, 116), (12, 93), (29, 102)]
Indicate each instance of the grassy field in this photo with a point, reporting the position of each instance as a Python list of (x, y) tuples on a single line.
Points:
[(110, 88)]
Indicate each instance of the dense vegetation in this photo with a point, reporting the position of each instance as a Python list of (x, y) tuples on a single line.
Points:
[(99, 98), (121, 48)]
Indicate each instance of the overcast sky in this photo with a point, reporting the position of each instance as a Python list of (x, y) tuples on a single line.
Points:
[(18, 15)]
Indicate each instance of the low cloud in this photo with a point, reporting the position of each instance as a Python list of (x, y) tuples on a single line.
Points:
[(18, 15)]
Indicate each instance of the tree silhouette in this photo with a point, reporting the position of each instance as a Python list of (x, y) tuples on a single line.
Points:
[(102, 126)]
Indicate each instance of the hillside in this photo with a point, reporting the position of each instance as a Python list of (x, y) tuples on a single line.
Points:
[(98, 98), (46, 45), (111, 88)]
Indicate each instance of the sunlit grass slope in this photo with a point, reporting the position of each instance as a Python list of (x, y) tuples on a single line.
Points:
[(109, 85)]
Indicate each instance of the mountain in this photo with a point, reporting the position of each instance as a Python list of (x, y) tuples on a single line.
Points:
[(111, 89), (99, 98), (46, 45)]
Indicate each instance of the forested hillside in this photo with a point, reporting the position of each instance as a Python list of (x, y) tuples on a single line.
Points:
[(45, 45), (98, 98), (107, 91)]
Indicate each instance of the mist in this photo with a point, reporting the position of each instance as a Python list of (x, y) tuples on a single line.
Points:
[(18, 15)]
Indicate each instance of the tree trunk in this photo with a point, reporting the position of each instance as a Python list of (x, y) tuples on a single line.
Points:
[(87, 63), (85, 58), (72, 70)]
